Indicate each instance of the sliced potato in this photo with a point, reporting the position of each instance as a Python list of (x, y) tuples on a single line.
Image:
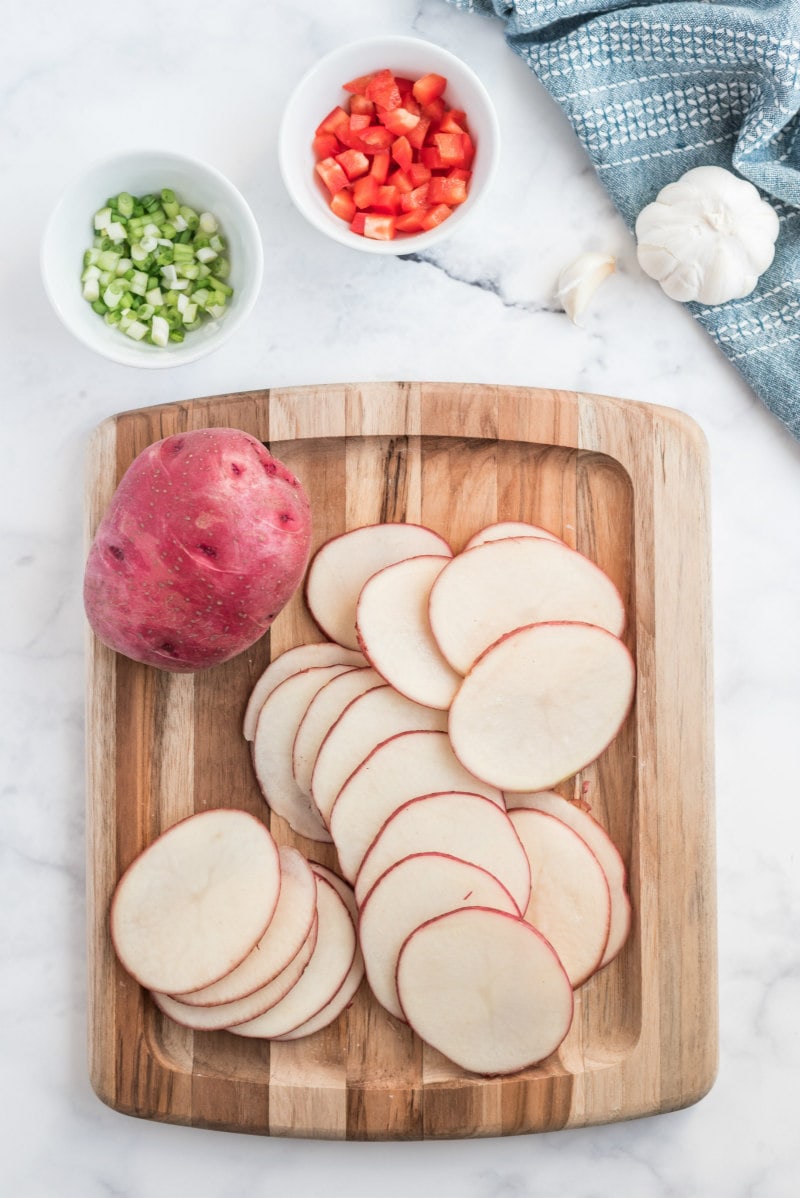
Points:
[(401, 768), (342, 565), (570, 899), (604, 849), (301, 657), (276, 729), (221, 1016), (540, 704), (286, 933), (408, 894), (462, 825), (321, 714), (323, 976), (195, 902), (394, 631), (347, 991), (488, 591), (365, 723), (509, 528), (486, 989)]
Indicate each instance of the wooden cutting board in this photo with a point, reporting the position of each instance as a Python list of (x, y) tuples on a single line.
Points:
[(623, 482)]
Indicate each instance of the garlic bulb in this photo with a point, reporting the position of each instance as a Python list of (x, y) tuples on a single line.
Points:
[(707, 237), (578, 282)]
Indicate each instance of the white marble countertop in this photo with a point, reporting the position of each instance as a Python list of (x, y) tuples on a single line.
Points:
[(78, 81)]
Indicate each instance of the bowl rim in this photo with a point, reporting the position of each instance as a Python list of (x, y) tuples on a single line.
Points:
[(129, 353), (414, 242)]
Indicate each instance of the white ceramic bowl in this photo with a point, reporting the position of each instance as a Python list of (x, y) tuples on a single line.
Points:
[(321, 89), (69, 233)]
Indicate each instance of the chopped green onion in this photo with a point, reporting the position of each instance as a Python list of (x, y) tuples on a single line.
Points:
[(153, 269)]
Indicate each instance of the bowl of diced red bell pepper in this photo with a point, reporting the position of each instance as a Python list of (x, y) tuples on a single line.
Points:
[(389, 144)]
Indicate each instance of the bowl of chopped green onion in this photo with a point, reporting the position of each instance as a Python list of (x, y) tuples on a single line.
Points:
[(152, 259)]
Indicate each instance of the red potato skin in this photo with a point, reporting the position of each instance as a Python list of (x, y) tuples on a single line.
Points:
[(206, 538)]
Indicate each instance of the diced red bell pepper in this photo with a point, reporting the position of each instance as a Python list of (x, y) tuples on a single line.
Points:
[(451, 148), (331, 174), (381, 161), (379, 228), (353, 163), (357, 86), (434, 111), (416, 138), (449, 123), (375, 138), (435, 216), (357, 123), (399, 121), (365, 191), (326, 145), (418, 173), (429, 156), (402, 153), (418, 198), (395, 159), (343, 205), (383, 90), (410, 222), (444, 190), (336, 120), (401, 181), (361, 106), (429, 88), (387, 200)]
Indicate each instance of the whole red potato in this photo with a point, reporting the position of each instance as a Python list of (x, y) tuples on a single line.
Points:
[(205, 539)]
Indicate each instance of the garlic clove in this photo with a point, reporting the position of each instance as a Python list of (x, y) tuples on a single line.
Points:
[(578, 282)]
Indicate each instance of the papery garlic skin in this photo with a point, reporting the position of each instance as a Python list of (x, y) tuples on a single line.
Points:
[(578, 282), (708, 237)]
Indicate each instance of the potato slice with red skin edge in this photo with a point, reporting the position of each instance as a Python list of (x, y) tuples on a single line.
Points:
[(220, 1016), (301, 657), (321, 714), (510, 528), (401, 768), (347, 991), (408, 894), (540, 704), (204, 541), (604, 849), (322, 978), (462, 825), (342, 565), (342, 887), (395, 634), (286, 933), (332, 1010), (191, 906), (276, 729), (365, 723), (490, 590), (485, 989), (570, 898)]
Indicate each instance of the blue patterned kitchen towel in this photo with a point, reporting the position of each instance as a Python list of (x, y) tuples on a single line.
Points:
[(654, 89)]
